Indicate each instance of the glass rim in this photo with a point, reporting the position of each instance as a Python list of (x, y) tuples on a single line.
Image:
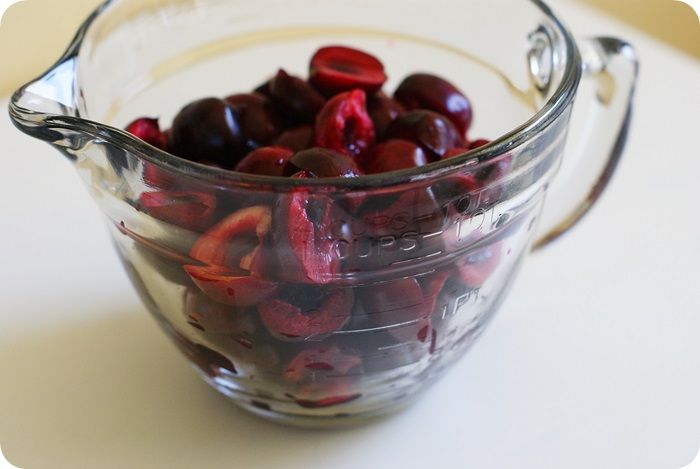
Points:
[(553, 108)]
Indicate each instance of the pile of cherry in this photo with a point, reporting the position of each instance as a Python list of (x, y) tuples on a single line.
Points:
[(270, 267), (340, 115)]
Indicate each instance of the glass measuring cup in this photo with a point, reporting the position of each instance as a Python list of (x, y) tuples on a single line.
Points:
[(406, 267)]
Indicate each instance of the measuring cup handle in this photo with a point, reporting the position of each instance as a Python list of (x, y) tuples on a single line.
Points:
[(611, 66)]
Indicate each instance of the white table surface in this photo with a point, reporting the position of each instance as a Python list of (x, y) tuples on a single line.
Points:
[(593, 362)]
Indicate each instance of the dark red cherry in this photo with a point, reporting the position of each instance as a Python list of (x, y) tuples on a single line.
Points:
[(148, 130), (393, 155), (383, 110), (343, 124), (263, 89), (265, 161), (298, 138), (257, 117), (425, 91), (208, 130), (321, 163), (432, 131), (287, 321), (295, 98), (335, 69)]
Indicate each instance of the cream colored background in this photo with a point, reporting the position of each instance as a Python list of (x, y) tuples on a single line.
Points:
[(591, 364), (674, 22)]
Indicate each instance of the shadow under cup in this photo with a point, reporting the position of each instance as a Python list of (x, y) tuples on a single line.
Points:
[(323, 301)]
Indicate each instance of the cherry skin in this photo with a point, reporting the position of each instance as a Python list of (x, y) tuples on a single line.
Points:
[(432, 131), (426, 91), (208, 130), (258, 118), (393, 155), (298, 138), (383, 110), (295, 98), (321, 163), (265, 161)]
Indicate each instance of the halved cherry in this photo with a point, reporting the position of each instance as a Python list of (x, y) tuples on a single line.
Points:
[(231, 286), (320, 361), (344, 125), (258, 119), (321, 163), (218, 246), (148, 130), (216, 318), (405, 306), (189, 210), (335, 69), (477, 266), (432, 131), (394, 303), (426, 91), (158, 178), (383, 110), (230, 252), (400, 213), (424, 331), (267, 161), (302, 235), (295, 98), (289, 322), (393, 155), (393, 228)]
